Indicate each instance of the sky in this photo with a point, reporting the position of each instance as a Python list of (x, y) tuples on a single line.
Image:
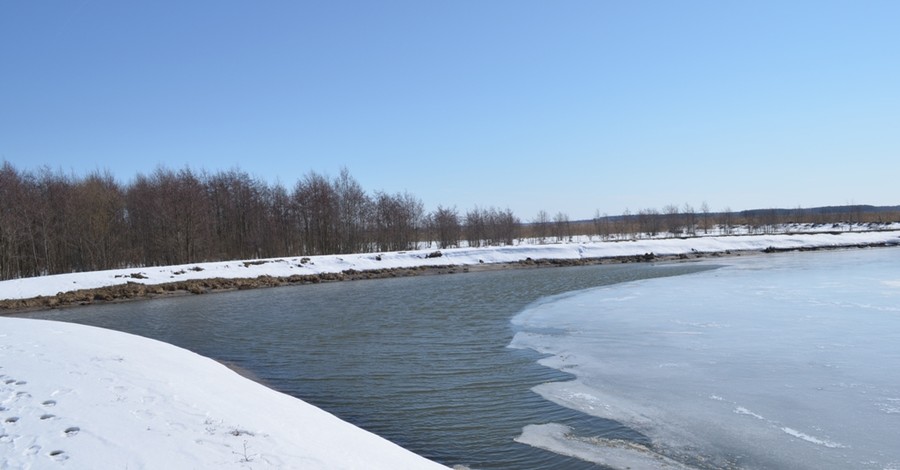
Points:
[(573, 107)]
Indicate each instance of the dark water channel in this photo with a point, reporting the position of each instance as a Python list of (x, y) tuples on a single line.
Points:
[(421, 361)]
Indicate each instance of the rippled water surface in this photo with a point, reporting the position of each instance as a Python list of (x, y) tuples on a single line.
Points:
[(422, 361)]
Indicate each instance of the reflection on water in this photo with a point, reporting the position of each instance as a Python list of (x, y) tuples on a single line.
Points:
[(422, 361)]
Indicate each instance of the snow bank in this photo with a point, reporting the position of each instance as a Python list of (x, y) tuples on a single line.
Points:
[(74, 396), (51, 285)]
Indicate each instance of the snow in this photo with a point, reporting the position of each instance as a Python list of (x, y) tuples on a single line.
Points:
[(74, 396), (51, 285), (81, 397), (790, 361)]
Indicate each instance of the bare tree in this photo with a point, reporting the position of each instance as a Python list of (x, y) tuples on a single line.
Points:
[(506, 224), (541, 225), (562, 227), (98, 204), (284, 238), (689, 219), (398, 221), (649, 222), (354, 212), (704, 218), (317, 208), (446, 226), (238, 202), (673, 219), (627, 224), (476, 227), (13, 245), (597, 225), (603, 226), (727, 222)]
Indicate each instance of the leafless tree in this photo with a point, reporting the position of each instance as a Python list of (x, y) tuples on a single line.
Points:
[(649, 222), (13, 220), (446, 226), (689, 219), (602, 225), (317, 208), (727, 222), (98, 208), (673, 219), (540, 225), (562, 227), (354, 213), (704, 217), (476, 227), (398, 221), (506, 226), (627, 224)]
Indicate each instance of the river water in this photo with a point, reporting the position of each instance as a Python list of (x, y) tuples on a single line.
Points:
[(422, 361)]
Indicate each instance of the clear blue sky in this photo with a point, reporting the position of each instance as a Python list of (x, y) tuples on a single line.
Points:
[(570, 106)]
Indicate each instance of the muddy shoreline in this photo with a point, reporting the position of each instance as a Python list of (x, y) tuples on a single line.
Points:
[(133, 291)]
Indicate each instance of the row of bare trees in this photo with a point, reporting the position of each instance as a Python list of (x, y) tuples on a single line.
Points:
[(685, 221), (54, 223)]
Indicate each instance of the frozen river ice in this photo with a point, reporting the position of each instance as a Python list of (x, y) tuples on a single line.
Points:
[(788, 361)]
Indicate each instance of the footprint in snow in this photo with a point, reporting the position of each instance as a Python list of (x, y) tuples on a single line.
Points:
[(49, 403), (58, 455), (69, 432), (12, 420)]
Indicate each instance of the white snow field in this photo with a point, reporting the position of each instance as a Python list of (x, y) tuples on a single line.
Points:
[(74, 396), (789, 361)]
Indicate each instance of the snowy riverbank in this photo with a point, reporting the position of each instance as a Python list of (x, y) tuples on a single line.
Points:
[(73, 396), (301, 266)]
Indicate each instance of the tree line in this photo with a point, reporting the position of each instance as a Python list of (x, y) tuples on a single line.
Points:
[(685, 221), (54, 223)]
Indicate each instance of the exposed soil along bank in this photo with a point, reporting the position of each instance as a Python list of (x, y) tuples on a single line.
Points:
[(137, 291)]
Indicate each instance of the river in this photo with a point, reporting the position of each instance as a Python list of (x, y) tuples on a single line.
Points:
[(422, 361)]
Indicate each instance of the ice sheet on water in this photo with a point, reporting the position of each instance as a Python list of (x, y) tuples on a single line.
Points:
[(609, 452), (790, 361)]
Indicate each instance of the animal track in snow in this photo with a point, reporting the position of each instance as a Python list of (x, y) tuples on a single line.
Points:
[(12, 419), (49, 403), (47, 416), (58, 455), (69, 432)]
